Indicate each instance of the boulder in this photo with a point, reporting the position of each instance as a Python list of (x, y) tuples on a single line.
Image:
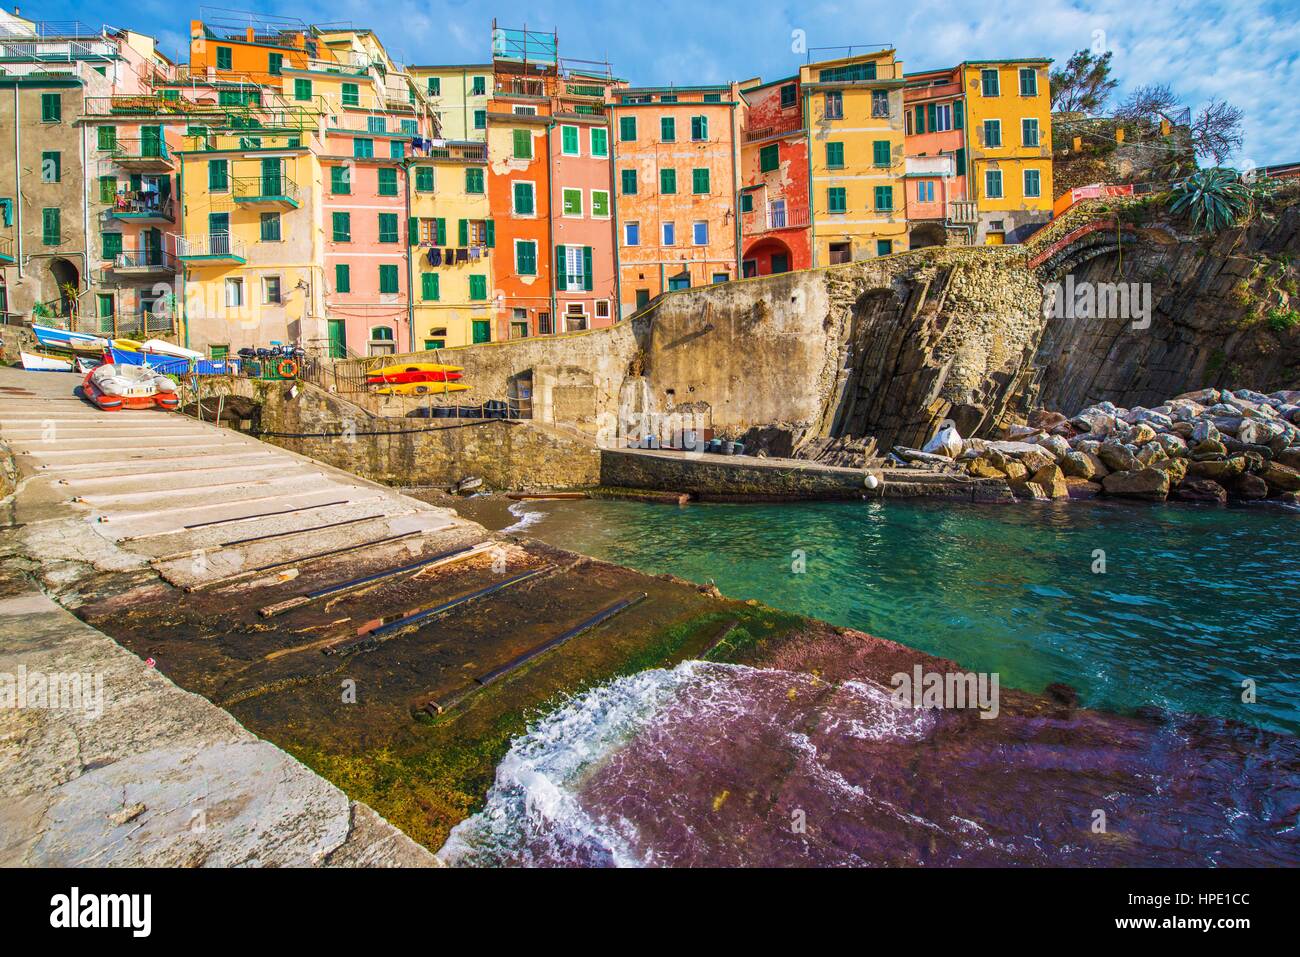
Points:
[(1036, 458), (1222, 471), (1082, 488), (1152, 452), (1142, 434), (1077, 465), (1201, 490), (1044, 419), (1280, 478), (1250, 486), (1177, 469), (1117, 458), (1289, 457), (1209, 447), (982, 468), (1172, 444), (1151, 485), (1034, 491), (1203, 430), (1055, 445), (1016, 472), (1051, 480)]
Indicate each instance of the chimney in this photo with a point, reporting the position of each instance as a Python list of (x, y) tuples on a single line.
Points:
[(251, 34)]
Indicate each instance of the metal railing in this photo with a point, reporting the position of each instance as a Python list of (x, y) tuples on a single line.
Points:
[(132, 206), (763, 220), (136, 149), (776, 129), (211, 246), (250, 188), (461, 152), (145, 259)]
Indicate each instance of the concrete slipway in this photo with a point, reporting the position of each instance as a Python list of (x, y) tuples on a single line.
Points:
[(390, 646)]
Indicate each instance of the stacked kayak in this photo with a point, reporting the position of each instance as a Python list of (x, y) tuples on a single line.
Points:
[(417, 378), (113, 387)]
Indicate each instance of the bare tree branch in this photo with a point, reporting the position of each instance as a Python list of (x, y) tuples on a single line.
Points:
[(1216, 131), (1154, 102)]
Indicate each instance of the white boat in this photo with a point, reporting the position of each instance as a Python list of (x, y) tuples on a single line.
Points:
[(66, 338), (170, 349), (37, 362)]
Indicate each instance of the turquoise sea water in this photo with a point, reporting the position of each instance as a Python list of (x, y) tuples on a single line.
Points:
[(1192, 602)]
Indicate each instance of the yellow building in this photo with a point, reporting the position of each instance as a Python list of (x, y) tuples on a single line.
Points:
[(853, 110), (449, 211), (1009, 139), (459, 96)]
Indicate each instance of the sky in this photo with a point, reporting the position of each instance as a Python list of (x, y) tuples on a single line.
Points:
[(1244, 51)]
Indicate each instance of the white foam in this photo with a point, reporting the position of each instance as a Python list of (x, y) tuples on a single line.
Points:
[(526, 516)]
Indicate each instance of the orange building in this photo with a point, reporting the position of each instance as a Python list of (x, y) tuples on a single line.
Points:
[(935, 137), (676, 176), (774, 221), (250, 55)]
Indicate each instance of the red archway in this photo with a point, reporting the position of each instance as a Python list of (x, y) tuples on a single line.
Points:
[(766, 256)]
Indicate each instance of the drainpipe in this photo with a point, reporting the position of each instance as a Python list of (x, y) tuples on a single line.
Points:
[(410, 259), (18, 180), (812, 208), (85, 204), (550, 223), (613, 217), (180, 232), (735, 186)]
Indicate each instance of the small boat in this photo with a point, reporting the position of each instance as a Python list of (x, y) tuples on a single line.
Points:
[(43, 362), (401, 377), (67, 339), (387, 371), (113, 387), (423, 388), (169, 349)]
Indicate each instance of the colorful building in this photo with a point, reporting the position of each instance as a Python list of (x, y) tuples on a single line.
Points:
[(939, 209), (774, 195), (459, 96), (854, 110), (676, 156), (1009, 143)]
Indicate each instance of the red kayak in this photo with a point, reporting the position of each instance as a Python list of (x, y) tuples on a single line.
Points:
[(415, 376)]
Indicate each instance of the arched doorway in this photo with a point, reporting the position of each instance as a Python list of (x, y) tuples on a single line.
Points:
[(67, 286), (767, 256), (928, 234)]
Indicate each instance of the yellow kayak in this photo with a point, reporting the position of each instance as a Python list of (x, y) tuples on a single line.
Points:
[(422, 388), (127, 345), (413, 367)]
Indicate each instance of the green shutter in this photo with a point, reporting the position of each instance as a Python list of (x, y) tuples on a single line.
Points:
[(440, 231), (700, 180), (342, 227), (880, 152), (478, 288), (523, 193), (920, 119), (627, 128), (836, 201), (523, 144), (342, 278), (51, 227), (599, 141), (388, 227), (526, 258), (490, 233), (107, 137), (388, 279), (270, 223), (225, 58), (769, 158), (667, 129), (51, 108), (586, 268), (629, 182), (667, 181), (424, 179), (569, 140), (340, 180), (462, 232), (958, 114), (413, 231), (111, 245), (429, 286), (301, 89), (932, 116), (107, 189), (746, 202), (561, 278), (835, 155), (474, 180)]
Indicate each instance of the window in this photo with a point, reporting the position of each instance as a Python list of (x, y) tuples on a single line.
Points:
[(431, 345), (478, 288), (989, 84), (642, 298), (668, 181), (106, 138), (340, 179), (1033, 184), (429, 286), (627, 128), (225, 58), (720, 277), (569, 141), (387, 181), (525, 257), (776, 214), (837, 200), (434, 86), (270, 289), (992, 133), (301, 89), (700, 180), (880, 104), (833, 106), (700, 234), (396, 149), (1029, 132), (940, 115), (519, 328), (628, 178), (424, 179), (107, 190), (480, 119), (884, 247), (834, 155), (342, 278), (51, 166), (746, 202), (669, 234), (51, 108), (993, 183), (110, 245), (474, 180), (388, 227), (925, 191), (602, 308), (234, 293), (1028, 81), (387, 279), (572, 202), (575, 267), (880, 153), (789, 95), (840, 253), (270, 227), (699, 128), (342, 227), (409, 127), (274, 63), (884, 196), (480, 86), (769, 158), (712, 97), (376, 124), (600, 203), (599, 141), (363, 148), (667, 129), (523, 199), (523, 144), (631, 234)]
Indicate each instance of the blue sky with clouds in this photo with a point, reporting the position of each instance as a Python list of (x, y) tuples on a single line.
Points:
[(1246, 51)]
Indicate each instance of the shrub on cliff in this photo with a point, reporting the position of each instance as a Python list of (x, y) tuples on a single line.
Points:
[(1213, 199)]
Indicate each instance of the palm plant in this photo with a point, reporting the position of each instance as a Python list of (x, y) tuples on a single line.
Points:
[(1213, 199)]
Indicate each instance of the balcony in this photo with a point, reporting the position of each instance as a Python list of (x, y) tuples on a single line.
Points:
[(214, 248), (266, 192), (143, 156), (6, 250), (143, 263), (460, 152), (788, 125), (141, 208), (774, 217), (963, 211)]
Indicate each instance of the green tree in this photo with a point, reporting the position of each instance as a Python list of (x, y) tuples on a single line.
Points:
[(1084, 85)]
